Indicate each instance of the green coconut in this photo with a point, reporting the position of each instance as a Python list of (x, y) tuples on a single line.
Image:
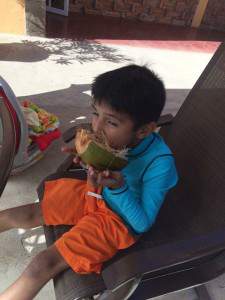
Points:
[(95, 152)]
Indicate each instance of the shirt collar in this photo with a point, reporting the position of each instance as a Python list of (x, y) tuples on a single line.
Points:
[(142, 146)]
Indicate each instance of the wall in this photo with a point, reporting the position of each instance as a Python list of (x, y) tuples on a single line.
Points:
[(12, 16), (23, 17), (214, 17), (35, 17), (175, 12)]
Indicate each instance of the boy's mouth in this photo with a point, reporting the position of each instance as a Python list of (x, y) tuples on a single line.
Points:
[(102, 138), (85, 137)]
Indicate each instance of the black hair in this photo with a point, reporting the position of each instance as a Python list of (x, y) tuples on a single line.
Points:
[(134, 90)]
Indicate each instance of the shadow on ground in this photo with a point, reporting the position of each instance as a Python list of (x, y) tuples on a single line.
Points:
[(60, 51), (22, 52)]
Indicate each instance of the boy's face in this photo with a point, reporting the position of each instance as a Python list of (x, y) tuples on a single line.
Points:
[(117, 127)]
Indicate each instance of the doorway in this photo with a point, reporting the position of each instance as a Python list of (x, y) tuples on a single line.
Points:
[(60, 7)]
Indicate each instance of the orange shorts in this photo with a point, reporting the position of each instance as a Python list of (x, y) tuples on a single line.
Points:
[(98, 233)]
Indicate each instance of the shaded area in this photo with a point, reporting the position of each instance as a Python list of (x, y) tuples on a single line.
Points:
[(25, 52), (66, 51), (61, 51), (72, 105), (68, 104)]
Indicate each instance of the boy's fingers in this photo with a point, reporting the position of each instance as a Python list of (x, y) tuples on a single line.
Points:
[(92, 170), (77, 160), (106, 173)]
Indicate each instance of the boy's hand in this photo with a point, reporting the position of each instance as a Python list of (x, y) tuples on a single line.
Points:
[(110, 179)]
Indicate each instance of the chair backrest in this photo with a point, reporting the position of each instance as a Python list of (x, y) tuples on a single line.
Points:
[(197, 139)]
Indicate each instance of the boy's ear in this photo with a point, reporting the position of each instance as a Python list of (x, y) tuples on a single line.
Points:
[(145, 130)]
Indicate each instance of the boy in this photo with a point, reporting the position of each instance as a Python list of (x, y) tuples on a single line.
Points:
[(111, 209)]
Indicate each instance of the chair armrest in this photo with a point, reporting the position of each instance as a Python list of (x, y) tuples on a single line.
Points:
[(165, 120), (162, 257)]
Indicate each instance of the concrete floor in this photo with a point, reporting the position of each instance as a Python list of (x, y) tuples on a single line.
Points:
[(56, 74)]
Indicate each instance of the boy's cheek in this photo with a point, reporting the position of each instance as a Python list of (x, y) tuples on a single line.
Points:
[(117, 140)]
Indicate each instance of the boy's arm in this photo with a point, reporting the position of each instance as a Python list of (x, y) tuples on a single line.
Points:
[(140, 214)]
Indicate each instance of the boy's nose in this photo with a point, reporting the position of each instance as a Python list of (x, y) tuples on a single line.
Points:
[(97, 126)]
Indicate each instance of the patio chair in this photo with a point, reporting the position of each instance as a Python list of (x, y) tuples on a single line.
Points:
[(186, 245)]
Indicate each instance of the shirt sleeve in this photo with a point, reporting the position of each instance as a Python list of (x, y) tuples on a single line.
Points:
[(140, 213)]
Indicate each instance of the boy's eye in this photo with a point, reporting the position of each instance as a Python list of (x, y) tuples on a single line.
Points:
[(113, 123)]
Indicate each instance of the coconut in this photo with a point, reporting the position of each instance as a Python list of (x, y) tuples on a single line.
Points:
[(95, 151)]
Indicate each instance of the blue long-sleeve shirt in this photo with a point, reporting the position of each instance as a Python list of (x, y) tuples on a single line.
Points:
[(150, 173)]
